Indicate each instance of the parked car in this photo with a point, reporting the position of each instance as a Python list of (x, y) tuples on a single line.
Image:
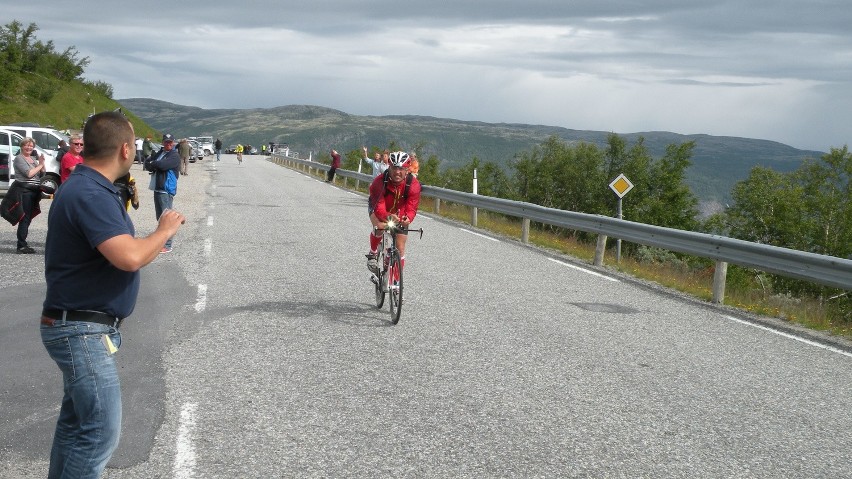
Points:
[(197, 152), (231, 149), (10, 146), (205, 143)]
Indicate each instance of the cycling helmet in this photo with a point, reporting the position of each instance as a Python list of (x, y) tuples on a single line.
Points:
[(400, 159)]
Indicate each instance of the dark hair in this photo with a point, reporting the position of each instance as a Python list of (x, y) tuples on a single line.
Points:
[(105, 133)]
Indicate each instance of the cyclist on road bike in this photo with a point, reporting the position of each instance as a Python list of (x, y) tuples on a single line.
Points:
[(395, 195)]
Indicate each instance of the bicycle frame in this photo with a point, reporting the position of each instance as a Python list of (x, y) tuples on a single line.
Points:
[(389, 277)]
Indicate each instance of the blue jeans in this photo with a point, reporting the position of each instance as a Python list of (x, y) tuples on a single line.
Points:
[(89, 423), (162, 202), (217, 154)]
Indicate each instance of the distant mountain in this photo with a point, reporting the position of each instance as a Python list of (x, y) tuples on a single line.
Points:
[(718, 161)]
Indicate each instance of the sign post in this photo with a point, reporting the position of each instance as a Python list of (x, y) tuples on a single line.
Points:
[(621, 186), (474, 212)]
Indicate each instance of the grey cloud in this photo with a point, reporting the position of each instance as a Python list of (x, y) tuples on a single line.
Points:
[(788, 56)]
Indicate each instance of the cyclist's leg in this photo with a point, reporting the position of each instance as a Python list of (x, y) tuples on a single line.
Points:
[(375, 240), (400, 245), (375, 236)]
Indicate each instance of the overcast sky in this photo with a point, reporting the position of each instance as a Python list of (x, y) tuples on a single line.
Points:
[(771, 69)]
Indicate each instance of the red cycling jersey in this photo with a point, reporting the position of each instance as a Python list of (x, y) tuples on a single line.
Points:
[(388, 199)]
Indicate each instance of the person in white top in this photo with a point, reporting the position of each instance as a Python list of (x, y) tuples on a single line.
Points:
[(139, 150), (380, 164)]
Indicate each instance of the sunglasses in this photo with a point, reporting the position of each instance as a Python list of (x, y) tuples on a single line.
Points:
[(77, 144)]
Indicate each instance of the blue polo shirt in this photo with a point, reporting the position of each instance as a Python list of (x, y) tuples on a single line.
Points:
[(86, 211)]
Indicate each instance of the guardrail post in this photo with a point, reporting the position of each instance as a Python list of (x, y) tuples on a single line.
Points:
[(437, 205), (474, 216), (719, 278), (525, 231), (600, 249)]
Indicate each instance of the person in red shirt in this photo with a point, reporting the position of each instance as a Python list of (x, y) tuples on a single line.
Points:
[(71, 159), (335, 164), (394, 194)]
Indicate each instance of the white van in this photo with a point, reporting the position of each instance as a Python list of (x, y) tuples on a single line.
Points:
[(10, 147), (47, 140)]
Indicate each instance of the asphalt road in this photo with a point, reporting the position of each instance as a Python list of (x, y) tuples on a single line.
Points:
[(256, 350)]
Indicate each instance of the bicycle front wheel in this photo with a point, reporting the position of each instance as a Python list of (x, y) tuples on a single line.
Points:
[(395, 287)]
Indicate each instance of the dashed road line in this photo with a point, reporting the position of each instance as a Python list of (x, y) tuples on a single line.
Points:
[(791, 336), (184, 466), (584, 270), (201, 299), (480, 235)]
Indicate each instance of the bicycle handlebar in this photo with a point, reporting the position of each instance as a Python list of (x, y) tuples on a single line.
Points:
[(397, 229)]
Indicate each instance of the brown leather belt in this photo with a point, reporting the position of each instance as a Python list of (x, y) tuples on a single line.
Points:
[(49, 317)]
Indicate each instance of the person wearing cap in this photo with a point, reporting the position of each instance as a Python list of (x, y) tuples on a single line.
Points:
[(164, 166)]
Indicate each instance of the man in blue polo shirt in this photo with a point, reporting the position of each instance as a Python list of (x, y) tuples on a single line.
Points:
[(92, 262)]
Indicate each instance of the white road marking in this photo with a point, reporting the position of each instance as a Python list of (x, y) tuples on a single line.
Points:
[(201, 299), (184, 467), (209, 221), (584, 270), (480, 235), (791, 336), (208, 246)]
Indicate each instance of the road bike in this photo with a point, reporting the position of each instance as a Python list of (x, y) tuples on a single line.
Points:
[(388, 278)]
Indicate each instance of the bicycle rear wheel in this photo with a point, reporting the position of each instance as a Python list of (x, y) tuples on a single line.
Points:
[(379, 279), (395, 287)]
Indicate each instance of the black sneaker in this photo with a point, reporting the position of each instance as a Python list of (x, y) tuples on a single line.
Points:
[(26, 250)]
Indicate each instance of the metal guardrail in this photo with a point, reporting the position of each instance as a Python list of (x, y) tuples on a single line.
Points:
[(826, 270)]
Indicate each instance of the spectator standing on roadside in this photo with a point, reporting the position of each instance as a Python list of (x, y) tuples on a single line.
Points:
[(239, 152), (165, 168), (64, 147), (415, 165), (70, 160), (147, 149), (92, 262), (29, 169), (335, 164), (218, 147), (139, 158), (379, 164), (185, 151)]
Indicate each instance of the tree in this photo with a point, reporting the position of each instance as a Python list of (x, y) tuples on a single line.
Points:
[(826, 200), (669, 201), (429, 174), (21, 53), (765, 208)]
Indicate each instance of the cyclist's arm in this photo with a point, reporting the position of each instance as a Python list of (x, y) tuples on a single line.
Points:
[(377, 198), (409, 210)]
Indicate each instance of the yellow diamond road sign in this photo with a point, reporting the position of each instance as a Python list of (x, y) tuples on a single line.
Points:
[(621, 185)]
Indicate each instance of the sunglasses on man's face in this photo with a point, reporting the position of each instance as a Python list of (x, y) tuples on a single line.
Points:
[(77, 144)]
